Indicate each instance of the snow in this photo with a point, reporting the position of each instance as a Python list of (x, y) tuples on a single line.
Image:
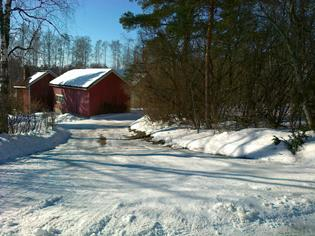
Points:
[(67, 117), (133, 187), (14, 146), (35, 77), (81, 78), (253, 143)]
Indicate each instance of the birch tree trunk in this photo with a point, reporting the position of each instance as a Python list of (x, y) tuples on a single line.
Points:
[(4, 61)]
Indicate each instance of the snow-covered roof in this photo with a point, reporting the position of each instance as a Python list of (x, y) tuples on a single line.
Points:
[(35, 77), (23, 83), (81, 78)]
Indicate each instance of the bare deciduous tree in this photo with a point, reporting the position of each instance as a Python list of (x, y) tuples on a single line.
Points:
[(81, 51), (14, 13), (116, 47)]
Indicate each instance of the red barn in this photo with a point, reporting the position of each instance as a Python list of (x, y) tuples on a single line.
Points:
[(34, 93), (89, 92)]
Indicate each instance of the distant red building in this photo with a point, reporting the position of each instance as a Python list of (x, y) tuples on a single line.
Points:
[(89, 92), (34, 93)]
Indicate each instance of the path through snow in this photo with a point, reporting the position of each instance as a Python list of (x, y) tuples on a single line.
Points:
[(131, 187)]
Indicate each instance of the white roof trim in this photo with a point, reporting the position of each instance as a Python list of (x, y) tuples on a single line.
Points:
[(19, 86)]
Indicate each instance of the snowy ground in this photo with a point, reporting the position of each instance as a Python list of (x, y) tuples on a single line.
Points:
[(131, 187)]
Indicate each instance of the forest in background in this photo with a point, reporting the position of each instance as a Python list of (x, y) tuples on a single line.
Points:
[(208, 63)]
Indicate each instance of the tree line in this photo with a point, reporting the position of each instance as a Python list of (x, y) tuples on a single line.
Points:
[(211, 62), (52, 49)]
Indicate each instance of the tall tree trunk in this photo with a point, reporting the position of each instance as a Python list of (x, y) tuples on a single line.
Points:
[(208, 62), (4, 62), (310, 115)]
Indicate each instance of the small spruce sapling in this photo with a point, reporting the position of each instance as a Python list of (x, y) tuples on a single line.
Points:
[(294, 142)]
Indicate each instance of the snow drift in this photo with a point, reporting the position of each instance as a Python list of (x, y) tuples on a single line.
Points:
[(14, 146), (252, 143)]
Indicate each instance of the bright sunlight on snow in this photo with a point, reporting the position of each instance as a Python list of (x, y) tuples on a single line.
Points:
[(132, 187)]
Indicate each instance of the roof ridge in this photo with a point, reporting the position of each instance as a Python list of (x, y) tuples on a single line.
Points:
[(82, 77)]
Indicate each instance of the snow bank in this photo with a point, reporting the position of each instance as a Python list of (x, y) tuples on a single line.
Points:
[(14, 146), (253, 143)]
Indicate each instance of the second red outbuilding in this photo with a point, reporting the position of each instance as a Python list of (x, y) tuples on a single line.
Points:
[(34, 93)]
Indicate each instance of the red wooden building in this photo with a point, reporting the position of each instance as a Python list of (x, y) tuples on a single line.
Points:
[(34, 93), (89, 92)]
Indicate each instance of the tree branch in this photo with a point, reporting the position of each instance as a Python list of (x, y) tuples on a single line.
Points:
[(43, 19), (30, 43)]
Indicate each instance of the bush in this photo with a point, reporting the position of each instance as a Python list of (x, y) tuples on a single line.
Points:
[(35, 123), (294, 142)]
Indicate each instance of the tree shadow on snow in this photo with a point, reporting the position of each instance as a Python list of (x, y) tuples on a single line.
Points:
[(130, 116), (80, 126), (248, 139), (212, 175)]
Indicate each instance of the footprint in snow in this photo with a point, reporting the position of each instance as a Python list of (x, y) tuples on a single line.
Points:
[(98, 227), (156, 230)]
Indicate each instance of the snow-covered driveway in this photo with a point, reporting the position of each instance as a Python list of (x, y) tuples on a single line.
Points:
[(132, 187)]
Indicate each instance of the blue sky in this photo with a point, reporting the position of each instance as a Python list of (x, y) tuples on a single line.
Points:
[(99, 19)]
